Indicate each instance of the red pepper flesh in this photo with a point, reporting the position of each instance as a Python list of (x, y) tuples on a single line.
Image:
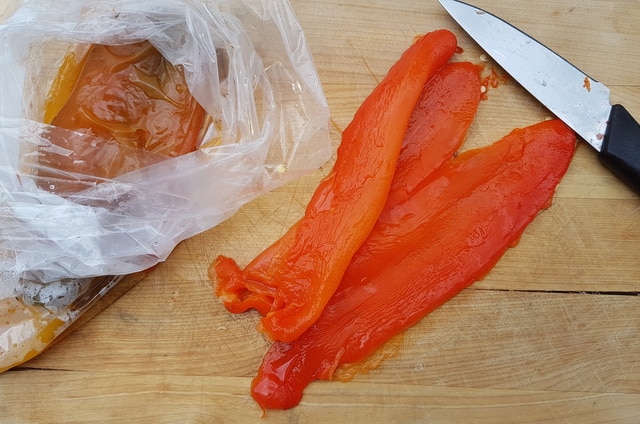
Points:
[(459, 223), (291, 282), (437, 128)]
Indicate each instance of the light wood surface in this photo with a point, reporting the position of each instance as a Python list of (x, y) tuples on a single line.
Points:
[(551, 335)]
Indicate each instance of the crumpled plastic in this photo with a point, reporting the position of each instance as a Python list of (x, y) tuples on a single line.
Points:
[(248, 65)]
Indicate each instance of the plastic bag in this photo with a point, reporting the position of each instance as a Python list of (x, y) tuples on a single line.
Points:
[(247, 64)]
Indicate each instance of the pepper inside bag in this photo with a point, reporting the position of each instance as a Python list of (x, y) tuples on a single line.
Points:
[(128, 127)]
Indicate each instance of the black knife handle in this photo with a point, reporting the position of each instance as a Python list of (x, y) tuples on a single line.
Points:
[(621, 147)]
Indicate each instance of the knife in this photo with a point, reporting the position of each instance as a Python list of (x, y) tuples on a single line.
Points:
[(574, 97)]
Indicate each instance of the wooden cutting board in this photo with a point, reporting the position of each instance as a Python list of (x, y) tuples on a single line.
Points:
[(551, 335)]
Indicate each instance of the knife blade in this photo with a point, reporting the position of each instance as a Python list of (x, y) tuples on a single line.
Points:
[(570, 94)]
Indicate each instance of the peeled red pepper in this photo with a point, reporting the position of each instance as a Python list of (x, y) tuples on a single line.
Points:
[(458, 224), (291, 281), (437, 128)]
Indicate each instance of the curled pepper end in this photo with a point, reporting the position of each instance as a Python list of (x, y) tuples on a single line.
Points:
[(232, 288)]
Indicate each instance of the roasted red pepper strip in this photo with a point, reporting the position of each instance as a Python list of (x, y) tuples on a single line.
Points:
[(294, 279), (462, 220), (437, 128)]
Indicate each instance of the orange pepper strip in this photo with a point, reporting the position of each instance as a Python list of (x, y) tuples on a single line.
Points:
[(462, 220), (293, 280), (434, 133), (438, 127)]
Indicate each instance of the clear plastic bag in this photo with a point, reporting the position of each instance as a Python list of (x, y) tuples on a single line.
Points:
[(247, 64)]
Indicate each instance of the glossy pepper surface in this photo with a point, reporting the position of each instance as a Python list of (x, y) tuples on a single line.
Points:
[(437, 128), (291, 282), (465, 215)]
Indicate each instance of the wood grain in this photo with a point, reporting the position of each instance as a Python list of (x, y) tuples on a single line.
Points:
[(551, 335)]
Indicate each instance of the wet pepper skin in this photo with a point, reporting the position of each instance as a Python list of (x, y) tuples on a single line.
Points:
[(437, 129), (291, 281), (438, 126), (462, 219)]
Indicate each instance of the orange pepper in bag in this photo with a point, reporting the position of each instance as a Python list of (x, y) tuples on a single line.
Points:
[(118, 109), (291, 282)]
